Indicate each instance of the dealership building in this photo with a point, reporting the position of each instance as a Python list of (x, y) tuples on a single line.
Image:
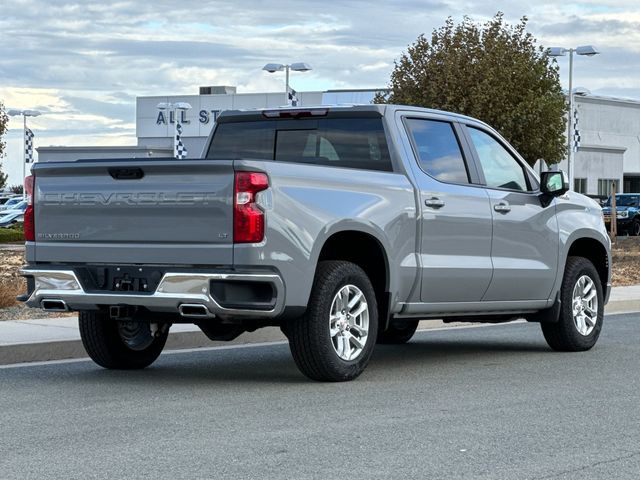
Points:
[(609, 149)]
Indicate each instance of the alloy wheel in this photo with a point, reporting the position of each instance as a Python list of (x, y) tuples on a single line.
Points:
[(585, 305), (349, 322)]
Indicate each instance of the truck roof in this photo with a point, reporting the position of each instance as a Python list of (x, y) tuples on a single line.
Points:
[(376, 109)]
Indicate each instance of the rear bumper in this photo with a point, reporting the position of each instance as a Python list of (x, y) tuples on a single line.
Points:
[(175, 290)]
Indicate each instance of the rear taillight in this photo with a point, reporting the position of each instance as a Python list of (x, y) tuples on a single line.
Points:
[(248, 219), (29, 223)]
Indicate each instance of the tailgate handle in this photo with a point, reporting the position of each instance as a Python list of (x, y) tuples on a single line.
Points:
[(126, 173)]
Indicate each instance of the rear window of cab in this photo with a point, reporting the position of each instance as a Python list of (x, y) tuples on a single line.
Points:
[(338, 142)]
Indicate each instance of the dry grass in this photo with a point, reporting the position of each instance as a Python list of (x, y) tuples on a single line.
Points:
[(11, 283), (9, 290), (626, 261)]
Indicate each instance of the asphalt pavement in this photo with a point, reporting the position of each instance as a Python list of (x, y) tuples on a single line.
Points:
[(481, 402)]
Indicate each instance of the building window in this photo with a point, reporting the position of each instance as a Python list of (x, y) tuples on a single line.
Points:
[(632, 184), (580, 185), (605, 185)]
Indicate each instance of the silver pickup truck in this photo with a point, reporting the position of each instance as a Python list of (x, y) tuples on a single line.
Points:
[(342, 225)]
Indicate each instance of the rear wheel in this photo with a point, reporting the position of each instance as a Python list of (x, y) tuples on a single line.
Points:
[(121, 345), (581, 309), (398, 332), (334, 340)]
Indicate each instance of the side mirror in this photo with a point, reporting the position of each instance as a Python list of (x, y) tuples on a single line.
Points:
[(554, 183)]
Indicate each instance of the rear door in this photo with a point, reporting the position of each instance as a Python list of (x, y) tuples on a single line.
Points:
[(525, 244), (160, 211), (456, 219)]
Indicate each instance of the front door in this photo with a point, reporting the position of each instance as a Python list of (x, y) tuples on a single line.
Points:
[(525, 244)]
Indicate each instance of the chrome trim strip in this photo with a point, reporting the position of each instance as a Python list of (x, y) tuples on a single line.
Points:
[(173, 290)]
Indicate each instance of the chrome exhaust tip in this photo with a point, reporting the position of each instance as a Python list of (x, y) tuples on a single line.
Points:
[(54, 305), (194, 310)]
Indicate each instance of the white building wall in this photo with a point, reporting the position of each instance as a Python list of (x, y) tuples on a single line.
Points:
[(599, 163), (198, 121), (614, 123), (610, 141)]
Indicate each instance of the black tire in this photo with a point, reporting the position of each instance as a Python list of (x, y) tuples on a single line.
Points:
[(398, 332), (564, 336), (104, 344), (635, 228), (309, 336)]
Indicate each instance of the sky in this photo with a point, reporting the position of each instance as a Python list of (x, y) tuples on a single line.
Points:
[(83, 63)]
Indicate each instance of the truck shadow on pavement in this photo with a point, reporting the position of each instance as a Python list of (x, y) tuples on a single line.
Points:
[(273, 363)]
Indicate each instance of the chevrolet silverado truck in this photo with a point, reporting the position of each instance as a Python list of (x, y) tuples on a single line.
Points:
[(343, 225)]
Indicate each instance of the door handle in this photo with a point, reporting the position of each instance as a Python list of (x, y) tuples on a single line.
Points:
[(434, 202), (502, 207)]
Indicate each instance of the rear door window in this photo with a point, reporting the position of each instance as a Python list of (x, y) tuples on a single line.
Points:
[(438, 150), (339, 142)]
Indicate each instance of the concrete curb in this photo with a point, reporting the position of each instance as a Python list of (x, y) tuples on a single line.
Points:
[(65, 349)]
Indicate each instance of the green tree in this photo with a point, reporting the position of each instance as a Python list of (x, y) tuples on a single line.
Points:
[(495, 72), (4, 120)]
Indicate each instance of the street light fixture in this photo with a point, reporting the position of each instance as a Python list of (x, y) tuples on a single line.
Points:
[(584, 50), (278, 67), (24, 114)]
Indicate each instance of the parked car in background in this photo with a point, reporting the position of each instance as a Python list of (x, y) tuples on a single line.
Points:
[(4, 197), (14, 215), (627, 213), (11, 203), (601, 199)]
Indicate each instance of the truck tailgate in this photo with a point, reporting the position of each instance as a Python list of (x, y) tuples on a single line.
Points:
[(160, 211)]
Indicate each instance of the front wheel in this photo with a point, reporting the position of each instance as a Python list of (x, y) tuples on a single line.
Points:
[(635, 228), (581, 309), (334, 340), (121, 345)]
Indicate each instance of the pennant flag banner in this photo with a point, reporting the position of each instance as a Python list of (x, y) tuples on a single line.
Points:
[(179, 150), (293, 97), (28, 146), (576, 131)]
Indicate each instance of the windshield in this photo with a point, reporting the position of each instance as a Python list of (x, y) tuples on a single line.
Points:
[(624, 201)]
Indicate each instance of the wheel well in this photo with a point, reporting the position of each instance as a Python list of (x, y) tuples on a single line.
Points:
[(365, 251), (594, 251)]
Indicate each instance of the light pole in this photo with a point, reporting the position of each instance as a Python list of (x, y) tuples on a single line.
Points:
[(25, 114), (589, 51), (278, 67)]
